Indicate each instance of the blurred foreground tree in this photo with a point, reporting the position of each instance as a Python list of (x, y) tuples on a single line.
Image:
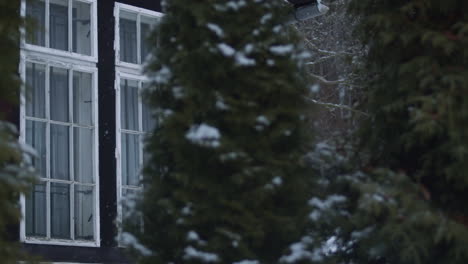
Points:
[(226, 181), (15, 173)]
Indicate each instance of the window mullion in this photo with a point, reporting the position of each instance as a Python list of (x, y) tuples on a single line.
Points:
[(138, 47), (70, 25), (71, 154), (72, 211), (47, 23), (48, 211)]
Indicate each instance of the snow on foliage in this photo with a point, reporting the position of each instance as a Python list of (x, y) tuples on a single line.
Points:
[(226, 50), (192, 253), (247, 262), (327, 203), (162, 76), (129, 240), (299, 251), (216, 29), (204, 135), (282, 49)]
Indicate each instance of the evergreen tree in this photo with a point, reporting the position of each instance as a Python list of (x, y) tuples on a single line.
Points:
[(406, 203), (15, 174), (226, 180)]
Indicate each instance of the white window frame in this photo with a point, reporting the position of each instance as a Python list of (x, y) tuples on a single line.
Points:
[(71, 65), (136, 67), (60, 53), (141, 133)]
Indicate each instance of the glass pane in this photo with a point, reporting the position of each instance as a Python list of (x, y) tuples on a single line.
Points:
[(145, 26), (84, 212), (128, 37), (82, 98), (60, 210), (59, 152), (58, 24), (35, 93), (36, 138), (35, 10), (82, 28), (129, 104), (59, 94), (36, 211), (130, 159), (83, 154)]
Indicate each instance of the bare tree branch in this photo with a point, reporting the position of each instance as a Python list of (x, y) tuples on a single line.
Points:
[(340, 106), (325, 81)]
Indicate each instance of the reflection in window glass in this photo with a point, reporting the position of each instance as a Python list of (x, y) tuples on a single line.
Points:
[(84, 210), (36, 211), (60, 210), (82, 98), (59, 152), (83, 155), (129, 104), (81, 27), (130, 159), (59, 94), (58, 24), (128, 37), (35, 85), (36, 11)]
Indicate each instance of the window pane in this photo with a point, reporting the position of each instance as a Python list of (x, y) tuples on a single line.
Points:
[(84, 212), (36, 211), (59, 152), (59, 94), (36, 138), (35, 93), (60, 210), (82, 27), (146, 25), (130, 159), (129, 197), (129, 104), (82, 98), (128, 37), (36, 11), (58, 26), (83, 154)]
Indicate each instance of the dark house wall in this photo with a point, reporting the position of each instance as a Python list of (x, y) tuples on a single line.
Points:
[(108, 252)]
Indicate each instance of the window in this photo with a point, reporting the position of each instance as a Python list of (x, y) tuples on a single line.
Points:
[(67, 26), (134, 122), (59, 121), (133, 26)]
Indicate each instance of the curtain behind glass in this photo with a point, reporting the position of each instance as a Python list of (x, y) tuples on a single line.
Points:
[(58, 26), (81, 27), (128, 37), (84, 209), (35, 93), (59, 94), (130, 159), (60, 210), (36, 11), (129, 104)]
